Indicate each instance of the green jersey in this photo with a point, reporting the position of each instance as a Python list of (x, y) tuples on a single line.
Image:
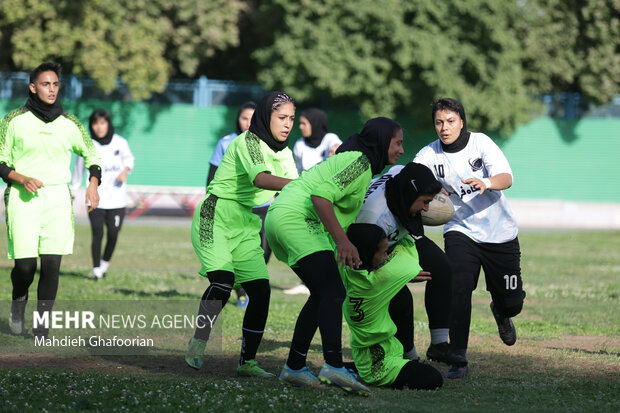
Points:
[(247, 156), (43, 150), (369, 294), (342, 179)]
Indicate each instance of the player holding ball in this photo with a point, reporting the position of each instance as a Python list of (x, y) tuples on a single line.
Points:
[(483, 233)]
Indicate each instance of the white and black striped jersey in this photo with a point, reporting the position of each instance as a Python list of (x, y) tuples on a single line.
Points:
[(482, 217), (375, 209)]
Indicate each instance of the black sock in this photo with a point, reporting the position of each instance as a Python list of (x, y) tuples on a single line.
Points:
[(255, 318), (333, 354), (297, 355), (211, 304)]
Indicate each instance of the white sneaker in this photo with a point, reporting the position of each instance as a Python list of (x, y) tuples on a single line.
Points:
[(97, 273), (104, 265), (298, 289)]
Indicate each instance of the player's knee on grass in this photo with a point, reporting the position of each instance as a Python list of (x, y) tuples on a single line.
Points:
[(418, 376)]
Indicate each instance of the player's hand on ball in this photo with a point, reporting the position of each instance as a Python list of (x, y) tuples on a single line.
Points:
[(422, 276)]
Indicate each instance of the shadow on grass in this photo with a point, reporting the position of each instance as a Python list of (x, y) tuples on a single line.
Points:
[(271, 345), (581, 350), (75, 274), (144, 294)]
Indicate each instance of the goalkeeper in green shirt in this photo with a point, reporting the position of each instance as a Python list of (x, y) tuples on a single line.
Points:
[(36, 141)]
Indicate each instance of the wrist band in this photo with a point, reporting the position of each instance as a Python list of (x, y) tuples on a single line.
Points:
[(487, 182)]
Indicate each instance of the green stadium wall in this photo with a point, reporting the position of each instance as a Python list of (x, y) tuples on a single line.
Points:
[(551, 158)]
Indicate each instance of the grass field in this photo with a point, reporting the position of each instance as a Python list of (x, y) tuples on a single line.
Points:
[(567, 357)]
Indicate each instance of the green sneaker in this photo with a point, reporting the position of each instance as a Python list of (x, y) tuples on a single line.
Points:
[(250, 369), (299, 378), (195, 353), (342, 378)]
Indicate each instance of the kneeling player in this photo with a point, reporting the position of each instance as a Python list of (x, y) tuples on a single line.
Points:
[(377, 353)]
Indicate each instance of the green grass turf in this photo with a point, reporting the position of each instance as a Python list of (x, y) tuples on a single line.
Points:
[(567, 357)]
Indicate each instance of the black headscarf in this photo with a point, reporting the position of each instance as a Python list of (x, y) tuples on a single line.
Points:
[(261, 120), (45, 112), (247, 105), (318, 123), (373, 141), (455, 106), (366, 238), (100, 113), (402, 190)]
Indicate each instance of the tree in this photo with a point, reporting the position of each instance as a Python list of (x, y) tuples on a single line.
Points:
[(394, 56), (143, 42), (573, 45)]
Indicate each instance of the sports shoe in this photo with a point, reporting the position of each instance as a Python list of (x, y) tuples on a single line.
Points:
[(441, 352), (17, 326), (299, 378), (242, 302), (505, 327), (250, 369), (104, 265), (97, 273), (195, 353), (298, 289), (342, 378), (457, 372)]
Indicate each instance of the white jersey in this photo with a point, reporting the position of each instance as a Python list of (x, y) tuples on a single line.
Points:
[(115, 157), (306, 157), (375, 209), (482, 217)]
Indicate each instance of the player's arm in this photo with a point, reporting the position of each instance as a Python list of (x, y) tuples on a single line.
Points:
[(265, 180), (497, 182), (347, 253), (31, 184), (92, 195)]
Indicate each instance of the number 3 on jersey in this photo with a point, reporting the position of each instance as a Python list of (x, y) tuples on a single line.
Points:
[(357, 303)]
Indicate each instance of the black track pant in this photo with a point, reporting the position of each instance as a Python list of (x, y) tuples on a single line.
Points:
[(319, 272), (254, 320), (22, 276), (501, 265), (112, 219)]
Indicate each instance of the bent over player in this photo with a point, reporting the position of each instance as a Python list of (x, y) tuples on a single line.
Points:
[(377, 351), (35, 144), (483, 232)]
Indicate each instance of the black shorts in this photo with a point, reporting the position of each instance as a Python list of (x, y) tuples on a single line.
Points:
[(501, 264)]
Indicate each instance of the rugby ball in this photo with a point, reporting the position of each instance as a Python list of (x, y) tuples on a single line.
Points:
[(440, 211)]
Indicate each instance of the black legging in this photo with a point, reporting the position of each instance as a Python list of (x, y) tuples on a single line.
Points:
[(418, 376), (22, 276), (438, 292), (254, 320), (319, 272), (113, 220), (401, 312)]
